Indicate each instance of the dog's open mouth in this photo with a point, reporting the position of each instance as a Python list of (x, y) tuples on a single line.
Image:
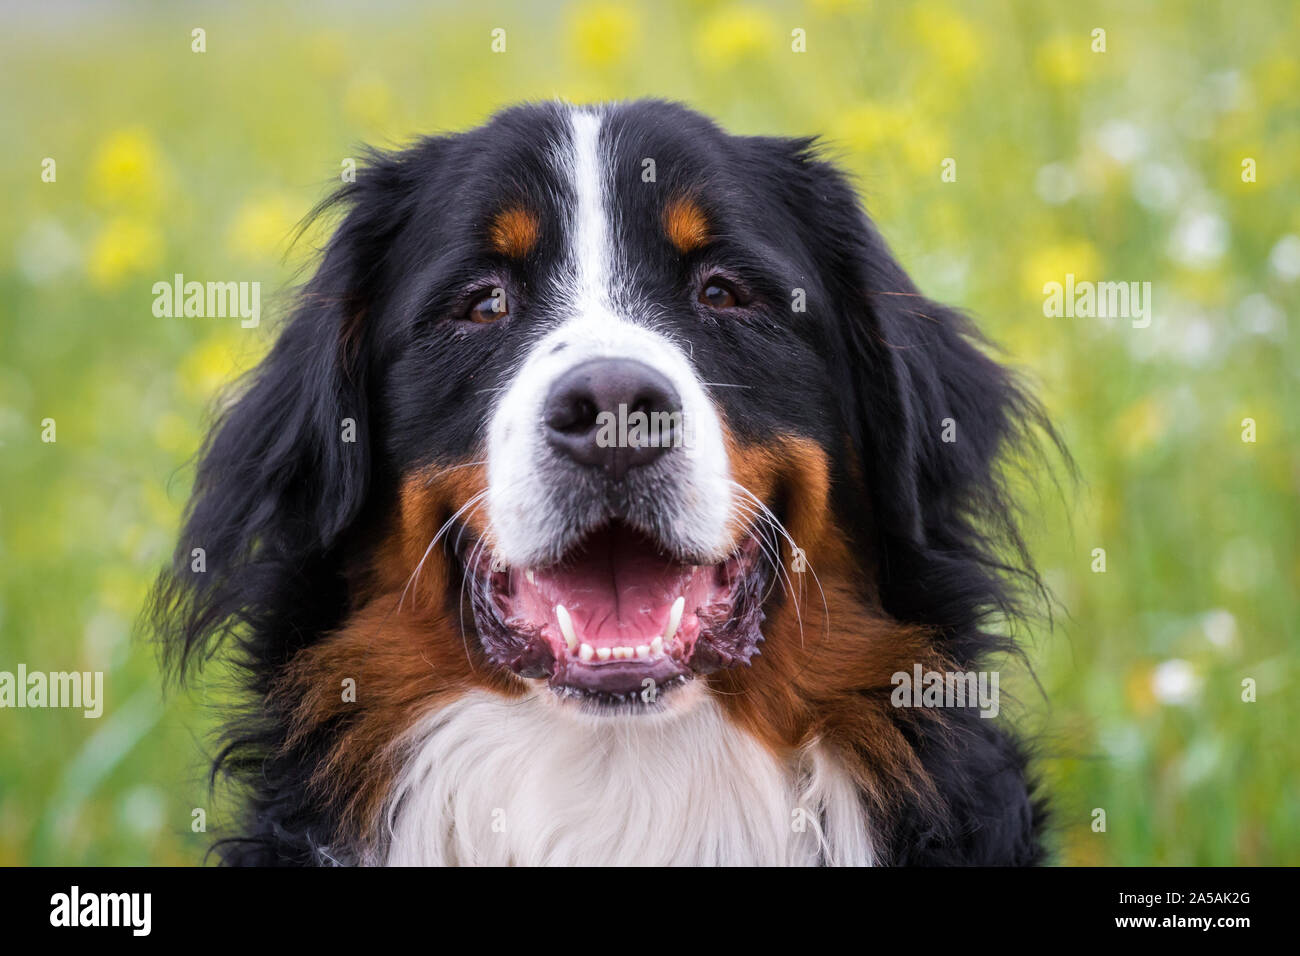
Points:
[(617, 619)]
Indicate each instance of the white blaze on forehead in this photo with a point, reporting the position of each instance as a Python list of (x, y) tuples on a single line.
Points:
[(598, 318), (591, 246)]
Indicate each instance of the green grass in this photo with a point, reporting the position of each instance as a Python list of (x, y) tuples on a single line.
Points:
[(173, 161)]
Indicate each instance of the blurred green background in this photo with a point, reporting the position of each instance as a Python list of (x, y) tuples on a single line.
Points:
[(1119, 165)]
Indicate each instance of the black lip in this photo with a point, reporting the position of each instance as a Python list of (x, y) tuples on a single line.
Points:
[(618, 678), (619, 682)]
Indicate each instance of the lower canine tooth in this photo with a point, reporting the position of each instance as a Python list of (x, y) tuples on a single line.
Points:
[(602, 653), (532, 578), (674, 618), (587, 652), (656, 646), (566, 627)]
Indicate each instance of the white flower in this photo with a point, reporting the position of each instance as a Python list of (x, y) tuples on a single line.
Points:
[(1220, 627), (1200, 238), (1056, 183), (1121, 140), (1284, 260), (1175, 682)]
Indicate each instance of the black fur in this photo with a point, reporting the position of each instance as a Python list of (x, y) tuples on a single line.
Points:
[(285, 511)]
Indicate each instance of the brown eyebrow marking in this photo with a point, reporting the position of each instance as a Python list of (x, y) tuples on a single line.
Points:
[(686, 224), (514, 231)]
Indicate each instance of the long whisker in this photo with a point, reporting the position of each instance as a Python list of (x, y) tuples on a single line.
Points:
[(474, 502), (773, 558), (442, 471), (414, 576), (781, 529), (471, 562), (751, 515)]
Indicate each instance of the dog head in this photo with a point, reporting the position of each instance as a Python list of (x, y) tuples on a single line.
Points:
[(605, 404)]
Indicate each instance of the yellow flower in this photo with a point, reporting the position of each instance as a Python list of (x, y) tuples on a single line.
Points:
[(262, 227), (1082, 848), (368, 102), (1139, 690), (1277, 79), (121, 590), (326, 53), (1052, 262), (214, 363), (838, 6), (601, 32), (123, 247), (872, 129), (952, 39), (1139, 426), (1060, 60), (864, 128), (734, 33), (160, 509), (175, 433), (127, 168)]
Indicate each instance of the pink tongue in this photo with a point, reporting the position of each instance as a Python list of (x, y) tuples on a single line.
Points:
[(618, 591)]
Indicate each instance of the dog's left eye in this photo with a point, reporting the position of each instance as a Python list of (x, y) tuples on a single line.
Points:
[(718, 293), (491, 306)]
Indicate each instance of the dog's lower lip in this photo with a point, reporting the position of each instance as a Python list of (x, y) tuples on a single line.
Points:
[(618, 619)]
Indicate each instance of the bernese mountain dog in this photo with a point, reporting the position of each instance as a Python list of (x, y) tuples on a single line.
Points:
[(604, 478)]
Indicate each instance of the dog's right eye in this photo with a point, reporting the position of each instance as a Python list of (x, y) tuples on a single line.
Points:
[(718, 293), (489, 307)]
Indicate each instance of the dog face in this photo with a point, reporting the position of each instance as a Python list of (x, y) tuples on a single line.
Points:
[(560, 274), (606, 405)]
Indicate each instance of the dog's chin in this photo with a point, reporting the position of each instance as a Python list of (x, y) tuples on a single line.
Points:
[(619, 623)]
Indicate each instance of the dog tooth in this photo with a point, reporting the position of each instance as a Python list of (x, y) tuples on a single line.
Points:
[(643, 650), (657, 646), (602, 653), (532, 578), (566, 627), (586, 652), (674, 618)]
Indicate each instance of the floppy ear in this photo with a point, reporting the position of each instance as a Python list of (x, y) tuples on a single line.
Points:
[(951, 412), (286, 468), (936, 415), (931, 416)]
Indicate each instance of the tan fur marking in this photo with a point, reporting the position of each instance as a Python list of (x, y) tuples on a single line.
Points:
[(686, 225), (823, 674), (515, 231), (824, 671), (401, 646)]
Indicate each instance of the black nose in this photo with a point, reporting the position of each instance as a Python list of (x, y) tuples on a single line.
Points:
[(590, 415)]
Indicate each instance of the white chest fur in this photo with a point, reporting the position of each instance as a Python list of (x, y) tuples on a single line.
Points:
[(492, 781)]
